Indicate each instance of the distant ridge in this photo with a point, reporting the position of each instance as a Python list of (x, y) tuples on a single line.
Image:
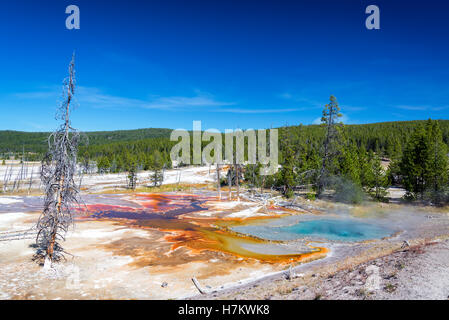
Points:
[(15, 141)]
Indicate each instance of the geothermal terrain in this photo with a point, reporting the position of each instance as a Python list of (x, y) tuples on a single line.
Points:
[(180, 240)]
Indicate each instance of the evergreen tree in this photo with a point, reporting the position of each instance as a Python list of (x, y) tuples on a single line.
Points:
[(438, 164), (394, 171), (287, 171), (113, 167), (349, 165), (103, 165), (306, 162), (156, 166), (364, 159), (378, 184), (132, 172), (330, 121), (120, 164), (424, 164), (414, 164), (85, 162), (252, 176)]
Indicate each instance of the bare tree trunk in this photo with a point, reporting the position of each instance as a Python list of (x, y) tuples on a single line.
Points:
[(230, 183), (81, 174), (237, 181), (5, 179), (236, 172), (31, 180), (9, 177), (218, 182)]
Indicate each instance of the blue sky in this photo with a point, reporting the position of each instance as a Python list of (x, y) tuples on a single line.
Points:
[(230, 64)]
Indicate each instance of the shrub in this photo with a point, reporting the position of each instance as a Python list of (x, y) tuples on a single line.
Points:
[(311, 196), (348, 192)]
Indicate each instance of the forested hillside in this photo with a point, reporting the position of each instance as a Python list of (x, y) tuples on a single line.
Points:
[(375, 136), (36, 142), (381, 137), (348, 160)]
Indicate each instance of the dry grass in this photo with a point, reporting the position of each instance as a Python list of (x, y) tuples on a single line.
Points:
[(22, 192), (182, 187), (284, 290)]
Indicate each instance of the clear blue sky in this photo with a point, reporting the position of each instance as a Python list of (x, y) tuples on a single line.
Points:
[(247, 64)]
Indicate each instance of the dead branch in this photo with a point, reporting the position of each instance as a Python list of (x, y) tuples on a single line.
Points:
[(197, 285)]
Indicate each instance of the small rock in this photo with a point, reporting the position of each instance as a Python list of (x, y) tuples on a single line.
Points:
[(301, 289), (372, 283), (346, 289), (164, 284), (372, 269), (308, 295)]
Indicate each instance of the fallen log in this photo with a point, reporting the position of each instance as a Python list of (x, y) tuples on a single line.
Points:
[(18, 235), (197, 285)]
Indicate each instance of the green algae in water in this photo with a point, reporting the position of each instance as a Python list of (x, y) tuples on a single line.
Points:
[(345, 229)]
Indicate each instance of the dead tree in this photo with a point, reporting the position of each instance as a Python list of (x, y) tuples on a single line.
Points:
[(234, 176), (218, 182), (31, 180), (57, 176), (6, 178), (237, 180), (230, 184), (20, 176), (178, 176)]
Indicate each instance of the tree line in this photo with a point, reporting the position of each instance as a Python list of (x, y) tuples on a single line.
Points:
[(354, 161)]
